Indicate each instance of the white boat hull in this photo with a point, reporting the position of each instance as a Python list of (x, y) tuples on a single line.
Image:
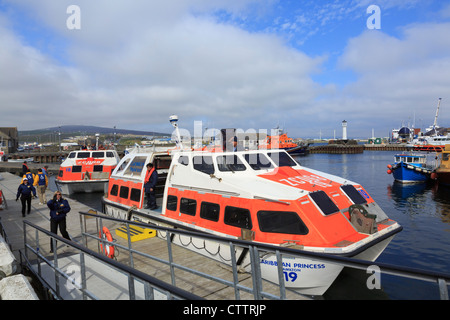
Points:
[(85, 186), (305, 275)]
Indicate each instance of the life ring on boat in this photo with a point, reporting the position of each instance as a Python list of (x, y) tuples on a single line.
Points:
[(109, 249)]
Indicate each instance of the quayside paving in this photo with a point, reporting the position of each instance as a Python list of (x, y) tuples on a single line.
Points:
[(12, 221)]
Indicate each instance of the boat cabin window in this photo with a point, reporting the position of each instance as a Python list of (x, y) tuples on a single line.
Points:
[(76, 169), (230, 163), (281, 222), (136, 166), (114, 190), (209, 211), (353, 194), (282, 159), (203, 164), (445, 156), (98, 168), (258, 161), (110, 154), (98, 154), (324, 202), (122, 167), (83, 155), (72, 155), (184, 160), (172, 202), (238, 217), (135, 195), (124, 192), (188, 206)]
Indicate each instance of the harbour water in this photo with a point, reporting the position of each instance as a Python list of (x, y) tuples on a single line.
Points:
[(423, 210)]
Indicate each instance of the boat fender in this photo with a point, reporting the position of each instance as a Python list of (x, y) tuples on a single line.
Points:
[(389, 171), (434, 176), (109, 249), (389, 166)]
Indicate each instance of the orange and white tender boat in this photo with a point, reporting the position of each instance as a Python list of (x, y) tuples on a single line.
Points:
[(86, 171), (282, 141), (259, 195)]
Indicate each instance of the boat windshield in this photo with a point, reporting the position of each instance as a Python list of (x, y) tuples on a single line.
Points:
[(258, 161), (353, 194), (281, 159), (230, 163)]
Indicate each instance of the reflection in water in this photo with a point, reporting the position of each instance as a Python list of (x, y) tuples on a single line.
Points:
[(422, 209)]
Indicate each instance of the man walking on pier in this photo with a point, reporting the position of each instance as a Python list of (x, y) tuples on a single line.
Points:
[(41, 183), (24, 192)]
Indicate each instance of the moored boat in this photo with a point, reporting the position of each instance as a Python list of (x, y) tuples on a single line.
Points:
[(86, 171), (263, 196), (282, 141), (412, 168), (442, 172)]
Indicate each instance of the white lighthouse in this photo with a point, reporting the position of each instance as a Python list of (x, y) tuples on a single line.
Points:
[(344, 130)]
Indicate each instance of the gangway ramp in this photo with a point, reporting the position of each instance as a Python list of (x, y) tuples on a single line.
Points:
[(103, 281)]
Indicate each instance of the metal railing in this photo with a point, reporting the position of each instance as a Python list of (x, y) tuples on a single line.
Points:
[(36, 265), (255, 250)]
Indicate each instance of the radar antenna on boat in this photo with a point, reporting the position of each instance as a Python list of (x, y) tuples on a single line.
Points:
[(173, 119)]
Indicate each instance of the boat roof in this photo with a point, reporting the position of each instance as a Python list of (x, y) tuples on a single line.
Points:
[(240, 171)]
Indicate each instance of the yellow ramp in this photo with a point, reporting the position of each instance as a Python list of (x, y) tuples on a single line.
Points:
[(136, 233)]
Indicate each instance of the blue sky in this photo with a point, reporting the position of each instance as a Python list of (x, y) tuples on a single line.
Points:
[(248, 64)]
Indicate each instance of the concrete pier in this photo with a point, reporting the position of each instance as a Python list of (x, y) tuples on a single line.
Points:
[(116, 286), (18, 287)]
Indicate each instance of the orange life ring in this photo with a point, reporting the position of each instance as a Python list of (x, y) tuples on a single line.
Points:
[(109, 249)]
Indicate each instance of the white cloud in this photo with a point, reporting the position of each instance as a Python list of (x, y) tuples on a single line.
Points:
[(399, 78), (134, 65)]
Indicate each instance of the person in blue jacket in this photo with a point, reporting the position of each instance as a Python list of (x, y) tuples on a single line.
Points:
[(59, 208), (25, 192)]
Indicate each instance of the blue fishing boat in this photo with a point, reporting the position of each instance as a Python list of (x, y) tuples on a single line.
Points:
[(412, 168)]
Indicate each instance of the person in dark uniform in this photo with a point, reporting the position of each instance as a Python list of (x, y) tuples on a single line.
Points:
[(59, 208), (151, 178), (25, 168), (25, 192)]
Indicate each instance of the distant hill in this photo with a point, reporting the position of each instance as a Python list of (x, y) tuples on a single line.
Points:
[(76, 130)]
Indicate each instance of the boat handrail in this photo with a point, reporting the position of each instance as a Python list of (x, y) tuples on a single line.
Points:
[(150, 283), (258, 249)]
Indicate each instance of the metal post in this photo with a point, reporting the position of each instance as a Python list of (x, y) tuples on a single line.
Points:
[(83, 275), (169, 249), (235, 275), (129, 246), (256, 272), (280, 275), (443, 291)]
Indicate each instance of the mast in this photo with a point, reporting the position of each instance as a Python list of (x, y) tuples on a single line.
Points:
[(437, 114)]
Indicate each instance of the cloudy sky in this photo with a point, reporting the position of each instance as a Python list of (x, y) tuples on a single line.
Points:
[(304, 65)]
